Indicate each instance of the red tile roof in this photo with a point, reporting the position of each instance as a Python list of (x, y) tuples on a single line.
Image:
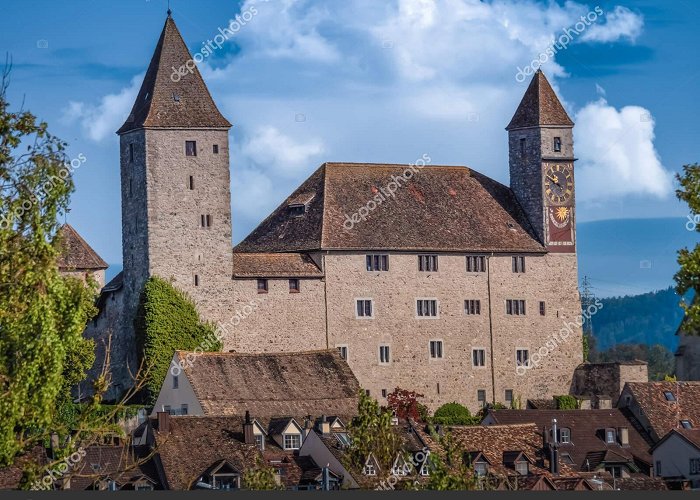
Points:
[(274, 265), (442, 208), (76, 254), (165, 103)]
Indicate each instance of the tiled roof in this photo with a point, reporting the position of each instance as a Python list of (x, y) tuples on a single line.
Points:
[(76, 254), (442, 208), (539, 106), (664, 415), (587, 434), (274, 265), (122, 464), (164, 103), (272, 385), (11, 476)]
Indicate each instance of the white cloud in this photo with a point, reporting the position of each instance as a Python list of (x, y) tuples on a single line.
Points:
[(280, 154), (102, 120), (620, 23), (617, 153)]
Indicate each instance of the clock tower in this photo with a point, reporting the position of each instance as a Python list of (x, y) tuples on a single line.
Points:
[(541, 160)]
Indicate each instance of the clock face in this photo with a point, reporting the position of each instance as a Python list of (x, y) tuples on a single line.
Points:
[(559, 183)]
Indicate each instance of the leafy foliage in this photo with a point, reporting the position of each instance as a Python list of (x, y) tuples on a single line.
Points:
[(372, 432), (567, 402), (688, 277), (167, 320), (450, 472), (660, 360), (454, 414), (42, 314), (405, 404), (261, 478)]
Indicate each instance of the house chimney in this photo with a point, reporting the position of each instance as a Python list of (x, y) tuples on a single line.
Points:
[(325, 426), (163, 422), (308, 426), (624, 434), (248, 434), (554, 450)]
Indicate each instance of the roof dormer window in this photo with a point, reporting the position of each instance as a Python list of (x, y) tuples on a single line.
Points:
[(296, 210)]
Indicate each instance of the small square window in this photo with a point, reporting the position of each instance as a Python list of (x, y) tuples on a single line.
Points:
[(686, 424), (383, 393), (522, 357), (557, 144), (191, 148), (292, 441), (343, 351), (296, 210), (518, 264), (364, 308), (294, 286), (481, 397), (669, 396), (522, 468), (436, 349), (183, 409), (472, 307), (216, 149), (542, 308), (428, 263), (384, 355), (262, 286), (479, 357)]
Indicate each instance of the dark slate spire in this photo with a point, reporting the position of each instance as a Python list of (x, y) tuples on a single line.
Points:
[(540, 106), (172, 99)]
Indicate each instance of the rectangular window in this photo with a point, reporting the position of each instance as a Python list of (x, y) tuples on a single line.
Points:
[(472, 307), (131, 153), (260, 442), (428, 263), (183, 409), (610, 436), (509, 396), (191, 148), (205, 220), (695, 466), (522, 357), (522, 468), (522, 147), (481, 397), (479, 357), (208, 220), (383, 393), (262, 286), (426, 308), (476, 264), (176, 382), (515, 307), (542, 308), (377, 262), (196, 280), (343, 351), (686, 424), (436, 349), (480, 469), (658, 468), (294, 286), (384, 355), (216, 149), (565, 435), (292, 441), (557, 144), (364, 308), (191, 183), (518, 264)]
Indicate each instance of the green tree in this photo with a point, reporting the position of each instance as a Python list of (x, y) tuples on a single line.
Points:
[(688, 277), (261, 478), (167, 320), (42, 314), (454, 414), (450, 472), (372, 432)]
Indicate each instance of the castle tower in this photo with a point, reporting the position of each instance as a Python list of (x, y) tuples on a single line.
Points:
[(175, 181), (541, 159)]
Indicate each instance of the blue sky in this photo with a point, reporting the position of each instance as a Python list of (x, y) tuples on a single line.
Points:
[(309, 81)]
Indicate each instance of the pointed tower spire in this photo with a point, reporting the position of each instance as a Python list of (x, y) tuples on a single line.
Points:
[(539, 106), (173, 93)]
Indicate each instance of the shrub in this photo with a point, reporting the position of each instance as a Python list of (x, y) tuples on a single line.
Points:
[(453, 414), (167, 320), (567, 402)]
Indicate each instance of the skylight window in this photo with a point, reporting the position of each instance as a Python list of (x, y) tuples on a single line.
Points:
[(686, 424), (669, 396)]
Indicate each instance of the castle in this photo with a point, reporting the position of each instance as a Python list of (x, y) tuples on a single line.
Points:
[(431, 278)]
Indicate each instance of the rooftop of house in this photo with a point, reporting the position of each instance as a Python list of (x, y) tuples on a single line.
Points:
[(667, 404), (692, 436), (274, 265), (169, 98), (588, 447), (441, 208), (76, 254), (272, 385), (127, 466)]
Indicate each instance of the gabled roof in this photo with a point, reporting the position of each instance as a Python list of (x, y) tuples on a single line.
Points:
[(76, 254), (274, 265), (442, 208), (164, 101), (539, 106), (270, 385), (664, 415), (587, 433), (122, 464), (692, 436)]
